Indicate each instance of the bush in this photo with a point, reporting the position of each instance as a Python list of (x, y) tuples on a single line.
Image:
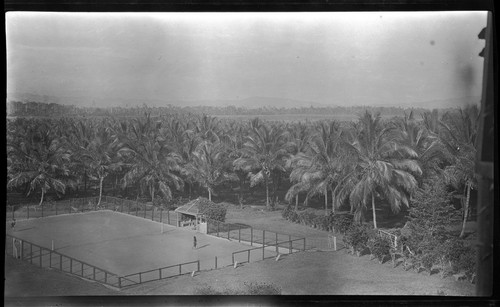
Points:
[(341, 222), (211, 210), (379, 247), (357, 237)]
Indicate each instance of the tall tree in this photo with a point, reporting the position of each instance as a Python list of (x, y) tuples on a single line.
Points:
[(383, 166), (263, 154)]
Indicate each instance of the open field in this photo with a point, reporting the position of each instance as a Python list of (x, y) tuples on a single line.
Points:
[(124, 244)]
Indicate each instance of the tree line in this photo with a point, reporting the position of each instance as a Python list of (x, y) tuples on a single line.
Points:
[(349, 164)]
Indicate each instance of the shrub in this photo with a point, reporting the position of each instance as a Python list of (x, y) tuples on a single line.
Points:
[(357, 237), (379, 247), (211, 210), (341, 222)]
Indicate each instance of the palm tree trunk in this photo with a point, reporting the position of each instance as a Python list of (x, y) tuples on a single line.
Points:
[(326, 201), (297, 202), (41, 199), (267, 195), (153, 193), (466, 210), (209, 195), (100, 190), (333, 203), (374, 215)]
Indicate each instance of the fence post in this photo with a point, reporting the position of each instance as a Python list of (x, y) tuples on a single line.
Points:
[(50, 259), (121, 207), (198, 265), (218, 223), (215, 262), (290, 246), (161, 215), (180, 270), (228, 231), (263, 251), (251, 236), (168, 216), (232, 257), (159, 271), (263, 237), (276, 242), (248, 256)]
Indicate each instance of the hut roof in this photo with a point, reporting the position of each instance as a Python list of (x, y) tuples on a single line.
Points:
[(191, 208)]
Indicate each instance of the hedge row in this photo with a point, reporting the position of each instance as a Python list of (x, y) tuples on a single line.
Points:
[(332, 222)]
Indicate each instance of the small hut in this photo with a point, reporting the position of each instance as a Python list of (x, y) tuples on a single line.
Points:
[(188, 215)]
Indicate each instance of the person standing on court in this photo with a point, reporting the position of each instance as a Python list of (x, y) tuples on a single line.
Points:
[(194, 242), (13, 224)]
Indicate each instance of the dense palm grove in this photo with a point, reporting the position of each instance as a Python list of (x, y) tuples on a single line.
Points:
[(351, 165), (423, 164)]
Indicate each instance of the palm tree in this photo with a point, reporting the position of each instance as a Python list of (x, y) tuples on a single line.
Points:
[(210, 166), (382, 167), (154, 164), (100, 156), (263, 154), (40, 160), (460, 130)]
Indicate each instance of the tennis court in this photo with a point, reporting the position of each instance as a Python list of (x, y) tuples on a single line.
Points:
[(124, 244)]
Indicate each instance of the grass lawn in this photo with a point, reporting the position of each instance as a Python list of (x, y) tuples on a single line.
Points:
[(309, 273)]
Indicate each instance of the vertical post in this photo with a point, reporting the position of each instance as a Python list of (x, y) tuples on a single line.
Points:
[(276, 242), (289, 247), (159, 271), (153, 213), (218, 223), (121, 207), (50, 259), (215, 262), (136, 209), (334, 243), (70, 205), (168, 217), (228, 230), (239, 234), (232, 257), (263, 237), (180, 270), (263, 251), (248, 256), (251, 236), (161, 215), (198, 265)]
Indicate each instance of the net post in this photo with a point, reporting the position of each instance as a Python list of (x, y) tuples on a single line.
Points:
[(153, 213), (168, 217)]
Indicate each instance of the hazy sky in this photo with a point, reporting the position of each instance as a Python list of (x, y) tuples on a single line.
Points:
[(377, 58)]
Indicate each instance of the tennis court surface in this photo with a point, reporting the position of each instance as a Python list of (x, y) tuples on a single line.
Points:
[(124, 244)]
